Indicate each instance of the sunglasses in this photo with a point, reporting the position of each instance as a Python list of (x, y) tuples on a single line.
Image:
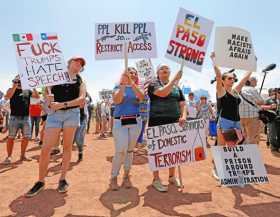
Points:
[(230, 78)]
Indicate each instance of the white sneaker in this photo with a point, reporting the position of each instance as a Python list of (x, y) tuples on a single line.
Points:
[(7, 161), (159, 186), (174, 181)]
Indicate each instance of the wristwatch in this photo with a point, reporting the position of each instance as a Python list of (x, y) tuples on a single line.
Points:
[(65, 105)]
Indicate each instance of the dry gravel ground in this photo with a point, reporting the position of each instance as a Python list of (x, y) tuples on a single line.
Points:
[(88, 195)]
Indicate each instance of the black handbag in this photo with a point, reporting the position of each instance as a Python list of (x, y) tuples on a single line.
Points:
[(266, 116)]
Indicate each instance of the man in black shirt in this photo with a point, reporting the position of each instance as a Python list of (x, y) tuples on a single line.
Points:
[(19, 119)]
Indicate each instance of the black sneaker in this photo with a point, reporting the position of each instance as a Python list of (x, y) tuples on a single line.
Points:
[(62, 186), (55, 152), (38, 186), (80, 157)]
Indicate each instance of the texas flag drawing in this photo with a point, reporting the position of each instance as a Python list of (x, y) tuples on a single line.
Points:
[(23, 37), (48, 36)]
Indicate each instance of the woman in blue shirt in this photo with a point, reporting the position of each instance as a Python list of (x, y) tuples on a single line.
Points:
[(127, 124)]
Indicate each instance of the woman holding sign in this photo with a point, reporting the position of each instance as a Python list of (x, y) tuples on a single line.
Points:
[(65, 101), (228, 100), (127, 125), (167, 106)]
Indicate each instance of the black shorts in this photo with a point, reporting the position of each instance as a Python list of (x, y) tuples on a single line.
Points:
[(44, 117)]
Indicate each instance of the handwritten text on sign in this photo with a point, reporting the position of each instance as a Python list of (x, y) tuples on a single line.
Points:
[(172, 145), (189, 39), (239, 165), (234, 49), (110, 39), (40, 60)]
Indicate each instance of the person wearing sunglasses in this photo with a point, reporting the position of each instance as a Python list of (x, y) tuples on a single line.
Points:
[(228, 101), (65, 100), (167, 106), (127, 125), (19, 118)]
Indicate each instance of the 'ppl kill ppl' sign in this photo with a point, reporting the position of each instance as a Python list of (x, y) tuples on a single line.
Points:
[(189, 39), (110, 38), (40, 60)]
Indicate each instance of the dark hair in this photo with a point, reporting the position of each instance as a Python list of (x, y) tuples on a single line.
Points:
[(247, 83), (191, 93)]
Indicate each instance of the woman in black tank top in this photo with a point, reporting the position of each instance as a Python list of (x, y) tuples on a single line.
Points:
[(228, 103), (65, 102), (228, 100)]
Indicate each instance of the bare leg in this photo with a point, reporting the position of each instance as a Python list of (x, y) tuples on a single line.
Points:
[(68, 137)]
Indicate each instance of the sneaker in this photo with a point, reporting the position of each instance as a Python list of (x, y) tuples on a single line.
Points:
[(24, 158), (174, 181), (158, 186), (126, 182), (55, 152), (80, 157), (62, 186), (39, 186), (215, 174), (114, 184), (7, 161)]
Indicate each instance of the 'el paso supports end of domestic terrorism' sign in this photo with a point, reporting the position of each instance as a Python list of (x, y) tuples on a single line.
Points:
[(189, 39), (171, 145), (110, 38), (40, 60), (239, 165)]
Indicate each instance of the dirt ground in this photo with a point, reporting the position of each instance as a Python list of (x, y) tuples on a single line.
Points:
[(88, 195)]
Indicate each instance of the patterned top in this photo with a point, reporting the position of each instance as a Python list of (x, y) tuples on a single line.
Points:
[(245, 109)]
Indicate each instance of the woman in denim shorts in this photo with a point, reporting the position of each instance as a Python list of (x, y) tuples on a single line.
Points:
[(228, 101), (65, 102)]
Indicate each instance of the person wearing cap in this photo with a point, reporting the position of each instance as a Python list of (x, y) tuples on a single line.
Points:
[(127, 125), (19, 118), (65, 100), (249, 114), (167, 106)]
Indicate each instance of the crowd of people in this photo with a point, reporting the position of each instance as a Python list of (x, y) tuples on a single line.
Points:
[(61, 115)]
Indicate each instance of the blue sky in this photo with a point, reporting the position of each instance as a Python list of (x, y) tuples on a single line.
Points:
[(74, 22)]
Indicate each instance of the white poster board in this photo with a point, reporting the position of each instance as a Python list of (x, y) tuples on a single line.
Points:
[(240, 165), (171, 145), (189, 39), (40, 60), (110, 38), (234, 49)]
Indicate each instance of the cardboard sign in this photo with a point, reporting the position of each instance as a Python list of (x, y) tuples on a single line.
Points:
[(172, 145), (106, 94), (234, 49), (110, 38), (40, 60), (189, 39), (240, 165)]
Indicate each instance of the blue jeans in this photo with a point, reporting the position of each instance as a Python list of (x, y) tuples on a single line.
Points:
[(35, 121), (64, 119), (80, 134), (125, 139)]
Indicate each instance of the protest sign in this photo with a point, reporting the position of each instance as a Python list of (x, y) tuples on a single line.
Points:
[(171, 145), (189, 39), (234, 49), (110, 38), (106, 94), (239, 165), (145, 69), (40, 60)]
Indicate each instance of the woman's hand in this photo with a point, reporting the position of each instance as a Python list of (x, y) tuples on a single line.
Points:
[(182, 121), (178, 76), (56, 105)]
